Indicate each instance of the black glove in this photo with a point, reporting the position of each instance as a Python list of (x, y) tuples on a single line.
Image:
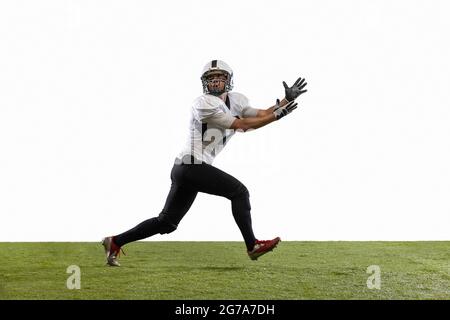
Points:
[(280, 112), (295, 91)]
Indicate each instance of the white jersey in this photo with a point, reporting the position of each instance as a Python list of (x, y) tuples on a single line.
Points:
[(209, 124)]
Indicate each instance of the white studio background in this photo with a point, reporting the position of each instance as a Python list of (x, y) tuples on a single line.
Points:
[(95, 99)]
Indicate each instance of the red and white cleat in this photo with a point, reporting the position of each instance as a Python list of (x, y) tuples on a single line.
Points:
[(112, 252), (262, 247)]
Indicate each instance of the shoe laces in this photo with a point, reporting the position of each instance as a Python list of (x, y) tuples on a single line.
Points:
[(120, 250), (116, 250), (259, 244)]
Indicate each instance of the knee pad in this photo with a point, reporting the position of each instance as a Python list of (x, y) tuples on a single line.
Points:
[(166, 226)]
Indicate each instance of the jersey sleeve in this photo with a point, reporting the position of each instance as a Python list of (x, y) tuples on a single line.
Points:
[(222, 120), (208, 111), (247, 110)]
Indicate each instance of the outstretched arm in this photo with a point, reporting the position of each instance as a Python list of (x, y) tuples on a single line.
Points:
[(278, 111), (253, 122), (268, 111), (291, 93)]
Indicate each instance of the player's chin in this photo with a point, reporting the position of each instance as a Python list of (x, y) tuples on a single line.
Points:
[(216, 92)]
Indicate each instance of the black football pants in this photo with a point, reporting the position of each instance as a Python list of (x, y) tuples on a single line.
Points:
[(188, 179)]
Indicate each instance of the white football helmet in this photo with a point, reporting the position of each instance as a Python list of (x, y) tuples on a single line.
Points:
[(217, 66)]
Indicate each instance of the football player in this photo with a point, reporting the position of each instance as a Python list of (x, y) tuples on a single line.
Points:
[(215, 117)]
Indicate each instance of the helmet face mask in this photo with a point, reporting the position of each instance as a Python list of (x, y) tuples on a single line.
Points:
[(216, 82), (214, 72)]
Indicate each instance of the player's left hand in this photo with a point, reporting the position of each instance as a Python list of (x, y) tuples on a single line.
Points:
[(292, 93), (280, 112)]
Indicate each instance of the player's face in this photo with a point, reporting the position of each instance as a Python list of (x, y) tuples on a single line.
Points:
[(216, 82)]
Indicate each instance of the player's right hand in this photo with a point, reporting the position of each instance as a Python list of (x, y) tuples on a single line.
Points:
[(280, 112), (296, 90)]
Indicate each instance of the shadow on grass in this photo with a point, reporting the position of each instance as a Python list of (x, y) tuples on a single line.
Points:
[(208, 268), (221, 268)]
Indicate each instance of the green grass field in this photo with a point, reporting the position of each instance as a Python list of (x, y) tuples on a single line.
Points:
[(221, 270)]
